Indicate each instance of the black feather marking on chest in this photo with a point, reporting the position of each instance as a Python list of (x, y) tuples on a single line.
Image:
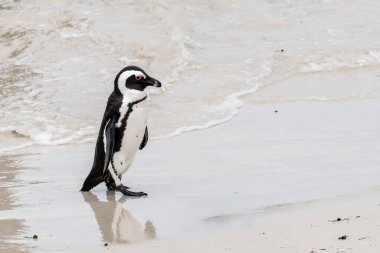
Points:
[(120, 130)]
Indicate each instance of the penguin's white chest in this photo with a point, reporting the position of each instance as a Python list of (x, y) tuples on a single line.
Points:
[(132, 136), (135, 129)]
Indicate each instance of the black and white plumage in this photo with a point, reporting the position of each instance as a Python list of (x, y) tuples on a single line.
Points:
[(123, 130)]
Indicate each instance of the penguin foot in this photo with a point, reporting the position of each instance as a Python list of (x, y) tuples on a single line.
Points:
[(123, 189), (111, 186)]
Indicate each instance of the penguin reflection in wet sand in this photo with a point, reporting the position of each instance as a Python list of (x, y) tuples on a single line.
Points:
[(123, 131)]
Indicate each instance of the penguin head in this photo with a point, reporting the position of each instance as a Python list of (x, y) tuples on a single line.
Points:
[(134, 78)]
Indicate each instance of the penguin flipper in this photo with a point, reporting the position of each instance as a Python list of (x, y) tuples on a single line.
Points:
[(145, 139), (98, 173), (110, 142)]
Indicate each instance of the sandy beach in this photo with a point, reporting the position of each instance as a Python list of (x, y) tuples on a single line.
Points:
[(274, 179), (264, 136), (341, 224)]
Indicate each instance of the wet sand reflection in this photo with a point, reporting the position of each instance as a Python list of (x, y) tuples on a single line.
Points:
[(11, 230), (116, 224)]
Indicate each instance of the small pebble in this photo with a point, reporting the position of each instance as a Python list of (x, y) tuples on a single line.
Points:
[(343, 237), (35, 237), (340, 219), (106, 244), (275, 111)]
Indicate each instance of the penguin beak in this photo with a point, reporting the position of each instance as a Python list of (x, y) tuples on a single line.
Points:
[(157, 83), (150, 81)]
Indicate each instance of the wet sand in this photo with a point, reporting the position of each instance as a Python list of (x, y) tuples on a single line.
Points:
[(341, 224), (9, 228), (270, 180)]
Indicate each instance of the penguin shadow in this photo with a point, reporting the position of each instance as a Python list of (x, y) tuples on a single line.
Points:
[(116, 224)]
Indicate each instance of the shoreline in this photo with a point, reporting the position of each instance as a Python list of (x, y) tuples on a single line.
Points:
[(199, 193)]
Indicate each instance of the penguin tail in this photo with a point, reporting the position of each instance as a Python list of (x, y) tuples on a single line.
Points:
[(85, 188), (90, 183)]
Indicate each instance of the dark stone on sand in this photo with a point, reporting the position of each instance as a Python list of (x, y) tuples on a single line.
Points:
[(340, 219), (275, 111), (106, 244), (343, 237), (35, 237)]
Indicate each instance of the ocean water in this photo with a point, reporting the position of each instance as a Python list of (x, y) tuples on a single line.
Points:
[(58, 60)]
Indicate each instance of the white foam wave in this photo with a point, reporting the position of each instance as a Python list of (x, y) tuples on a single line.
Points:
[(207, 125), (5, 150), (231, 105), (375, 54), (68, 34), (316, 99), (340, 61), (47, 138), (174, 51), (36, 137)]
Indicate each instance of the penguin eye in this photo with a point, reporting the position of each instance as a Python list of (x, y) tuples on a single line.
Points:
[(139, 76)]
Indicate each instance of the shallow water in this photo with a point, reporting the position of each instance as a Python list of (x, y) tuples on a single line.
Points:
[(59, 59)]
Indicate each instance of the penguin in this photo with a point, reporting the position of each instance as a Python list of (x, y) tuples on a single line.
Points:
[(123, 131)]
